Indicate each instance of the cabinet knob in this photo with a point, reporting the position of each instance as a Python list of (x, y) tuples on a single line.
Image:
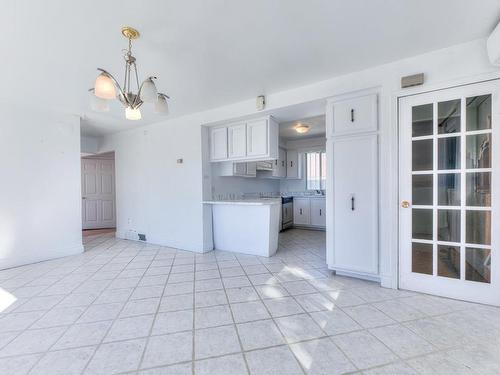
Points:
[(405, 204)]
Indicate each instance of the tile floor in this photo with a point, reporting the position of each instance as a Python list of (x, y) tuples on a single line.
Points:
[(128, 308)]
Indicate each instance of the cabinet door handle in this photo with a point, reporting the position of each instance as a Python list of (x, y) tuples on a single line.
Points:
[(276, 162), (352, 115), (291, 163), (320, 212), (301, 211), (352, 203), (282, 163)]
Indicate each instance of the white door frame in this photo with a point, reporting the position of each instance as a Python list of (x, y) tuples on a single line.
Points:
[(467, 290)]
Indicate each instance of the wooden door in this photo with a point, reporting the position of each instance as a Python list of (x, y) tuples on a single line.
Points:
[(98, 194)]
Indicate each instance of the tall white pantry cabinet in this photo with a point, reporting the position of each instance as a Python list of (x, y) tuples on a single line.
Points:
[(352, 185)]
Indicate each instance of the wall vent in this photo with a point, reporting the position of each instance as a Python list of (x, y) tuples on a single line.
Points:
[(142, 237)]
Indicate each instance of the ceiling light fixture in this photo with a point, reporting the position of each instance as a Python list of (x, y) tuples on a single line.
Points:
[(107, 87), (301, 128)]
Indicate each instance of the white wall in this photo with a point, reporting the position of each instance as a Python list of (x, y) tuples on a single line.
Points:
[(89, 145), (40, 213), (165, 198), (244, 185)]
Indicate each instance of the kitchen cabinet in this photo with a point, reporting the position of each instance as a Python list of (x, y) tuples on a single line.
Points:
[(353, 115), (250, 140), (257, 138), (218, 143), (318, 212), (355, 203), (301, 211), (309, 212), (292, 164), (352, 209), (236, 138), (279, 166), (230, 169)]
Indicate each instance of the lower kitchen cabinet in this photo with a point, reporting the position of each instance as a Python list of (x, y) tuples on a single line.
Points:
[(318, 212), (309, 212), (301, 211)]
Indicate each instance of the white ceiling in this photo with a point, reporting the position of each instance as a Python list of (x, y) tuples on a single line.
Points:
[(211, 53), (316, 128)]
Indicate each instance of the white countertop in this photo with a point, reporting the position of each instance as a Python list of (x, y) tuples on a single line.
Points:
[(247, 202)]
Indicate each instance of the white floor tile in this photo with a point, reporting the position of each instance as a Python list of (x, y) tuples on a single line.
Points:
[(216, 341), (335, 322), (130, 328), (175, 321), (117, 357), (319, 357), (299, 327), (228, 365), (273, 361), (364, 350), (64, 362), (168, 349), (259, 334), (249, 311)]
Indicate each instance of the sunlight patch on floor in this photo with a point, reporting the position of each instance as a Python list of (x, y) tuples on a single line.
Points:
[(6, 299)]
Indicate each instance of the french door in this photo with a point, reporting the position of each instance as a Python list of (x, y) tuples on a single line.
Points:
[(450, 192)]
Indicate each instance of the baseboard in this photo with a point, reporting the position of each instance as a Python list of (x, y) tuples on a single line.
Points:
[(201, 250), (54, 254), (308, 227), (387, 281), (355, 274)]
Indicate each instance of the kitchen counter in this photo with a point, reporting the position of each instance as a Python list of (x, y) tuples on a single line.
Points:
[(249, 226), (247, 202)]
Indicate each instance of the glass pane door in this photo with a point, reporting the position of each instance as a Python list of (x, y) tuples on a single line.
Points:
[(446, 219)]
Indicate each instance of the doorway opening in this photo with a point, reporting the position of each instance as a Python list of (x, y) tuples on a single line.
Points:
[(98, 196), (294, 178)]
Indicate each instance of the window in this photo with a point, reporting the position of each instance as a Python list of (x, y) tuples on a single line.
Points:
[(315, 170)]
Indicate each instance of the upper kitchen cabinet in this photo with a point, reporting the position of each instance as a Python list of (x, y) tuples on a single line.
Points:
[(218, 143), (237, 140), (353, 115), (279, 166), (255, 139), (292, 164)]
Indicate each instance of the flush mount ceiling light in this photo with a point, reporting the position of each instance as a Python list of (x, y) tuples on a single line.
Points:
[(107, 87), (301, 128)]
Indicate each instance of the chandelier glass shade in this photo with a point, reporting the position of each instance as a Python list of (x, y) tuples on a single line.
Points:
[(131, 94)]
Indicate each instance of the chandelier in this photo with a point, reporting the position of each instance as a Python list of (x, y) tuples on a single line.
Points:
[(107, 87)]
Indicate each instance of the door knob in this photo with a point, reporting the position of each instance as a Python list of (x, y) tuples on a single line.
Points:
[(405, 204)]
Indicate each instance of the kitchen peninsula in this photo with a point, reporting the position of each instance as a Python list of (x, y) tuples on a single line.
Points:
[(246, 226)]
